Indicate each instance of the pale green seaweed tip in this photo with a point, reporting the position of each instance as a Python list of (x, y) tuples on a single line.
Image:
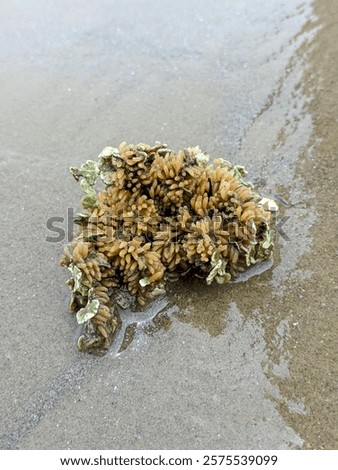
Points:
[(88, 312)]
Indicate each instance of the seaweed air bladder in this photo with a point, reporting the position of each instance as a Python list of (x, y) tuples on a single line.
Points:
[(160, 213)]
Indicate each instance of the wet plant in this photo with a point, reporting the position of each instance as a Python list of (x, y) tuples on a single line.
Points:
[(160, 214)]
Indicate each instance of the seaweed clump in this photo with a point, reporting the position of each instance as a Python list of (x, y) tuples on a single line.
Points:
[(160, 214)]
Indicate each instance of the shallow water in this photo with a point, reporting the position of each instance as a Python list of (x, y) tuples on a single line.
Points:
[(246, 365)]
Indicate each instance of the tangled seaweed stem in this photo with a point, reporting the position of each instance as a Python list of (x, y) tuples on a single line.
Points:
[(161, 214)]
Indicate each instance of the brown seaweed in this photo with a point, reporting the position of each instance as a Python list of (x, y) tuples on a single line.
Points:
[(160, 214)]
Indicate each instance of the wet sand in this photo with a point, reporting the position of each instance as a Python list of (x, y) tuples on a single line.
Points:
[(247, 365)]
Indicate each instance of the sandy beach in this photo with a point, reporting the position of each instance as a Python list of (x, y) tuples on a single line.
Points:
[(251, 365)]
